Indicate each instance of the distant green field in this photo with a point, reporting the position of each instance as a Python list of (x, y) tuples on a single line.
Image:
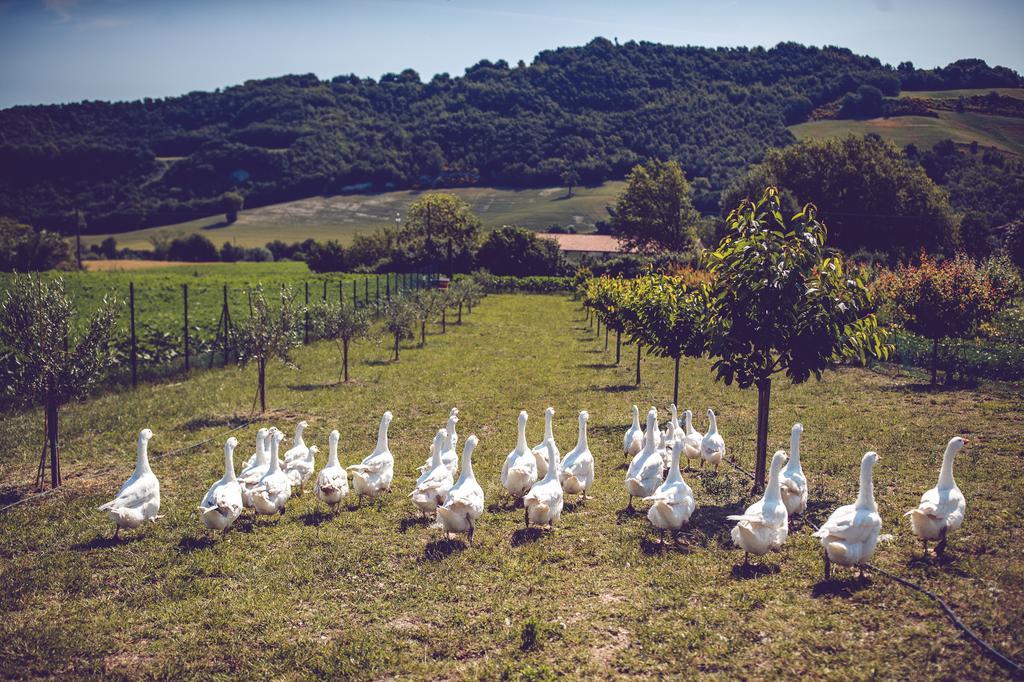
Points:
[(341, 217), (954, 94), (1001, 132)]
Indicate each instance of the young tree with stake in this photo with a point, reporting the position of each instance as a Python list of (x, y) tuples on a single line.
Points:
[(344, 324), (780, 302), (54, 365), (270, 332), (398, 319)]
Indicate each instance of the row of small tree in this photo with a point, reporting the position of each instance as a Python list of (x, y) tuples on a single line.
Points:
[(772, 299), (57, 364)]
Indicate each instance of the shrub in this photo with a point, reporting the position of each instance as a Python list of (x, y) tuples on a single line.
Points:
[(24, 249), (515, 251), (941, 300), (193, 248)]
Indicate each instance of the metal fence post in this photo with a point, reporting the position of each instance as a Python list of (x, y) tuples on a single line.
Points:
[(134, 342), (184, 292)]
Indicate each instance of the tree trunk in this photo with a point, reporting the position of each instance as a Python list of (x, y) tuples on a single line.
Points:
[(261, 368), (675, 389), (764, 391), (935, 361), (618, 346), (52, 434), (344, 356), (459, 321), (423, 333), (396, 347), (638, 364), (606, 337), (444, 321), (599, 327)]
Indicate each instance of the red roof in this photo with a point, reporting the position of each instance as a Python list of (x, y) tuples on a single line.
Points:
[(590, 243)]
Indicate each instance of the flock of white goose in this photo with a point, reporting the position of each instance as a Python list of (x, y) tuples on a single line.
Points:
[(540, 477)]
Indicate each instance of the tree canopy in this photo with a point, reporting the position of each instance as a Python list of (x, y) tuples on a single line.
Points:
[(866, 189), (655, 210)]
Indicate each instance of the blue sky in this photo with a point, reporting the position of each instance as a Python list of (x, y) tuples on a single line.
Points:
[(70, 50)]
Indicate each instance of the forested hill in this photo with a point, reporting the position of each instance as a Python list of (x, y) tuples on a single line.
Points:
[(586, 113)]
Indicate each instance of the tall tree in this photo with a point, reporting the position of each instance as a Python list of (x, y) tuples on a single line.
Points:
[(655, 209), (869, 193), (441, 226), (55, 365), (781, 303)]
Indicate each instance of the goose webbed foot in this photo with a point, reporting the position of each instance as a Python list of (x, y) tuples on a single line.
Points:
[(526, 515)]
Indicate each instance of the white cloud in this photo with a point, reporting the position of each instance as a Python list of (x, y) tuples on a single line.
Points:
[(62, 8)]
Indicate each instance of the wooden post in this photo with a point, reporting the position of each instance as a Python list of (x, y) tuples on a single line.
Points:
[(226, 314), (305, 338), (638, 364), (606, 337), (134, 341), (764, 392), (675, 388), (184, 293), (325, 291), (377, 294), (52, 435), (366, 289)]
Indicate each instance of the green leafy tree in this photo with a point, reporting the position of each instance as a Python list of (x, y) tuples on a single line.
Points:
[(942, 300), (779, 302), (344, 324), (655, 210), (269, 333), (24, 249), (512, 250), (398, 319), (672, 320), (869, 193), (231, 204), (570, 178), (426, 304), (441, 227), (54, 364)]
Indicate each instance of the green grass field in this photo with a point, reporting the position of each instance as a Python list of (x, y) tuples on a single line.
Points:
[(1001, 132), (342, 216), (967, 92), (372, 593)]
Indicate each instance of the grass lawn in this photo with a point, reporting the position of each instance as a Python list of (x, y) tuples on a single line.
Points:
[(1001, 132), (967, 92), (372, 593), (345, 215)]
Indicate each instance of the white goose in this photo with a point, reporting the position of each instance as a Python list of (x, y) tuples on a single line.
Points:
[(792, 480), (434, 484), (465, 501), (850, 534), (271, 494), (673, 430), (331, 485), (691, 439), (712, 446), (633, 440), (645, 472), (519, 472), (261, 452), (299, 449), (942, 508), (258, 464), (764, 526), (373, 475), (539, 450), (223, 502), (543, 504), (453, 414), (576, 473), (300, 466), (448, 454), (673, 502), (138, 499)]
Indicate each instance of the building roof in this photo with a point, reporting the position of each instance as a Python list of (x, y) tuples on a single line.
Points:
[(589, 243)]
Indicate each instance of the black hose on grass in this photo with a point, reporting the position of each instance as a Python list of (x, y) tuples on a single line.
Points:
[(1016, 668)]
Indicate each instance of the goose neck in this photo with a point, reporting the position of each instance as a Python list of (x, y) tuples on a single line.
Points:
[(773, 493), (794, 451), (332, 452), (382, 437), (946, 472), (552, 473), (547, 426), (581, 440), (142, 456), (521, 445), (274, 443), (229, 462), (866, 496)]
